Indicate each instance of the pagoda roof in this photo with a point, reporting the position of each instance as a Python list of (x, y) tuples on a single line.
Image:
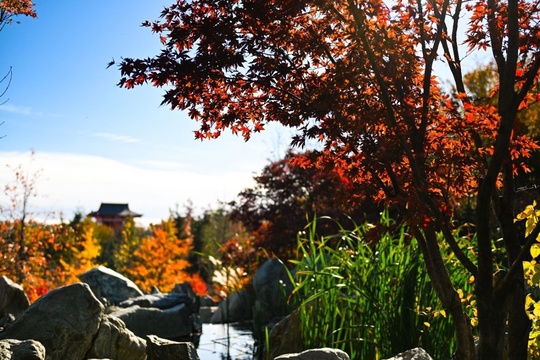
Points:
[(111, 209)]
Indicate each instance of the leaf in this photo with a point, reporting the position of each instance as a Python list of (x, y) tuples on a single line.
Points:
[(427, 324), (443, 313), (535, 250)]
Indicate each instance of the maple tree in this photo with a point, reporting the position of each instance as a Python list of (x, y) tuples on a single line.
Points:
[(286, 197), (359, 77), (161, 259)]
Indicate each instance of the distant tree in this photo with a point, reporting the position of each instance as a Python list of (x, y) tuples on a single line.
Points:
[(109, 242), (161, 259), (17, 196), (360, 77), (210, 232), (287, 196), (130, 242)]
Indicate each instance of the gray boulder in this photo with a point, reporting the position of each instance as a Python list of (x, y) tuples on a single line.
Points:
[(65, 321), (236, 307), (283, 337), (173, 323), (317, 354), (272, 288), (159, 301), (413, 354), (161, 349), (110, 286), (13, 300), (23, 350), (114, 341)]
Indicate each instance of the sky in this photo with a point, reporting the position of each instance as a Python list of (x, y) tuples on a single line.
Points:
[(95, 142)]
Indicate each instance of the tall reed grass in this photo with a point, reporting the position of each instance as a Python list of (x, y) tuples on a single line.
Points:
[(370, 300)]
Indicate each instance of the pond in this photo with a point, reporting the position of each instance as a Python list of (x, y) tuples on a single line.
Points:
[(226, 342)]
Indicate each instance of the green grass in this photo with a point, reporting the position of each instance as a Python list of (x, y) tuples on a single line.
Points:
[(372, 301)]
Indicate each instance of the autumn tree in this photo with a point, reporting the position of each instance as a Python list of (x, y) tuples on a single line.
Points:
[(359, 77), (211, 231), (287, 196), (482, 86), (161, 259)]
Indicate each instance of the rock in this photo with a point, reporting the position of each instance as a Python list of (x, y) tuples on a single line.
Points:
[(272, 287), (65, 321), (173, 324), (237, 307), (115, 341), (159, 301), (413, 354), (206, 313), (13, 299), (317, 354), (23, 350), (284, 336), (185, 288), (110, 286), (208, 301), (161, 349)]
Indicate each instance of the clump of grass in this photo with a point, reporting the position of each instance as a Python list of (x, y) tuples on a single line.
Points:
[(370, 300)]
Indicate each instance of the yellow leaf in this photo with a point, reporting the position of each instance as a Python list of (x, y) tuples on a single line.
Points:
[(474, 322), (529, 301), (535, 250), (427, 324), (471, 279), (529, 225), (536, 310), (443, 313)]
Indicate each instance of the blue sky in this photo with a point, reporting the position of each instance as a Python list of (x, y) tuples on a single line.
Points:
[(95, 142)]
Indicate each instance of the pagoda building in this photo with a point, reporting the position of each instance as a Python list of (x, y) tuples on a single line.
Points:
[(113, 215)]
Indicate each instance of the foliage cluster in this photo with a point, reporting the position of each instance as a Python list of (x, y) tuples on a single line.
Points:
[(285, 195), (531, 269), (372, 300)]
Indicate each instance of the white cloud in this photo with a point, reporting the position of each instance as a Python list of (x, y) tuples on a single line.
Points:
[(16, 109), (27, 111), (117, 138), (71, 182)]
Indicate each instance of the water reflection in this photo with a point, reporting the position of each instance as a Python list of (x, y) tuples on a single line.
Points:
[(226, 342)]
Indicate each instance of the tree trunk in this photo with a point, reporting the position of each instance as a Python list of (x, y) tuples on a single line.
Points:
[(519, 324), (465, 349)]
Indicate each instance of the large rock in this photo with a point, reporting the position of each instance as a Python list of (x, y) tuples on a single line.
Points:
[(159, 301), (173, 324), (283, 338), (272, 287), (114, 341), (317, 354), (185, 288), (413, 354), (161, 349), (110, 286), (13, 300), (22, 350), (236, 307), (65, 321)]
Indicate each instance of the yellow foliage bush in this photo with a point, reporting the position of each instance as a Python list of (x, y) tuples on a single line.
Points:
[(531, 272)]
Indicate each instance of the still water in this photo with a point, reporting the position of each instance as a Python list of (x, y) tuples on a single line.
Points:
[(226, 342)]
